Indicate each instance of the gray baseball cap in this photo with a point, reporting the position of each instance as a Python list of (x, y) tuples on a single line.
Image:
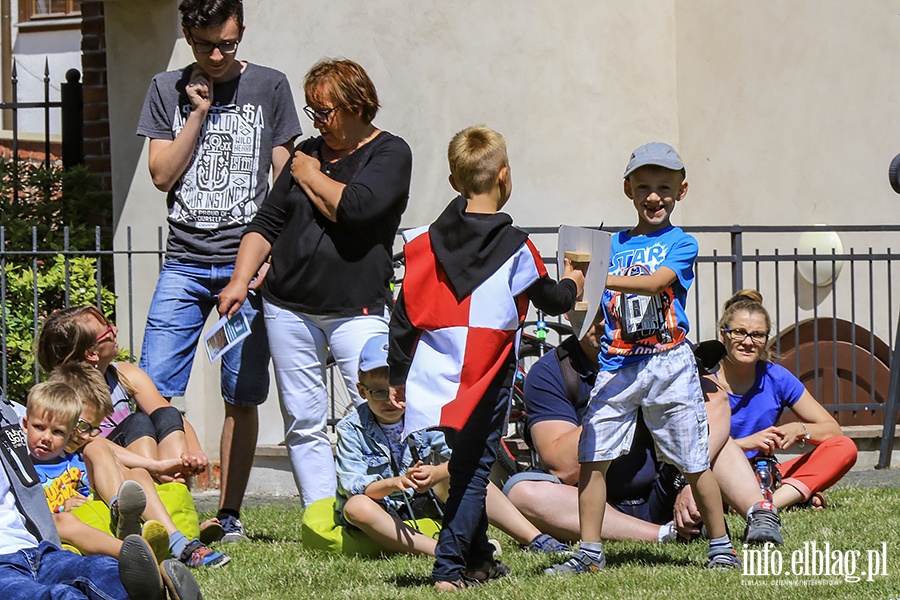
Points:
[(654, 153)]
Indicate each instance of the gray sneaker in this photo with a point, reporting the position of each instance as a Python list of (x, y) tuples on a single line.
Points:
[(179, 581), (232, 530), (125, 512), (723, 559), (578, 563), (763, 525)]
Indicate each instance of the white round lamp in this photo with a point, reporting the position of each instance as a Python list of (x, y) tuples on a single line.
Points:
[(819, 273)]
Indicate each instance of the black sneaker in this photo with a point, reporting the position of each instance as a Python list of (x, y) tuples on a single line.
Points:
[(138, 570), (487, 571), (763, 525), (179, 581)]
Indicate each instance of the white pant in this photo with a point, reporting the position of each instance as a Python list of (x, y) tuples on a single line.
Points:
[(299, 346)]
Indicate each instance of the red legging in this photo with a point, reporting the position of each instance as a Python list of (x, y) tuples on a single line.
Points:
[(820, 468)]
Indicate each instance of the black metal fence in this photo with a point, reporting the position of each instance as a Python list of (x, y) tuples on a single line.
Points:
[(833, 309), (26, 188), (71, 105)]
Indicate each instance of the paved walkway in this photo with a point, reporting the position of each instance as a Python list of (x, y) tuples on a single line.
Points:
[(871, 478)]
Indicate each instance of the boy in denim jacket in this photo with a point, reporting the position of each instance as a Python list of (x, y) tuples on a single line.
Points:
[(384, 480)]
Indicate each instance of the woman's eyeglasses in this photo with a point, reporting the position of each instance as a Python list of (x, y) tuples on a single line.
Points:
[(739, 335), (319, 116)]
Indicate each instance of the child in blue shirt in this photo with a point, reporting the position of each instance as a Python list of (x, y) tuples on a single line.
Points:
[(644, 362), (71, 462)]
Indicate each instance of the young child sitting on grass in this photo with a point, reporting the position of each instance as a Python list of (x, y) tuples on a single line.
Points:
[(52, 416), (383, 480), (76, 464)]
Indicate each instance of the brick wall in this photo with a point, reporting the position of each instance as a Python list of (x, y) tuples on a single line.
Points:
[(96, 109), (31, 151)]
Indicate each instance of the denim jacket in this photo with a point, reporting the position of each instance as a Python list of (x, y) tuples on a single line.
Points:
[(364, 455)]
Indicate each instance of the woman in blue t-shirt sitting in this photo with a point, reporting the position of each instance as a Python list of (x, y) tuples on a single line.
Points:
[(759, 391)]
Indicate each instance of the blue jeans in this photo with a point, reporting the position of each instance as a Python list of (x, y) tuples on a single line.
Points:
[(185, 295), (463, 541), (46, 572)]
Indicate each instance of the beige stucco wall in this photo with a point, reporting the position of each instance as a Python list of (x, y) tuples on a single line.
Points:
[(788, 115), (563, 81), (789, 111), (784, 113)]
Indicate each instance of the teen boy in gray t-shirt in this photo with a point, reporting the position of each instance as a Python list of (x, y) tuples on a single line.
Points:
[(216, 128)]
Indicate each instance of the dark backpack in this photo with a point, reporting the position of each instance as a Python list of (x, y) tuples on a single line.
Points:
[(572, 378), (23, 479)]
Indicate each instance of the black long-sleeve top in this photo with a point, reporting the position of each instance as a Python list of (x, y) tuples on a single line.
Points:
[(340, 268)]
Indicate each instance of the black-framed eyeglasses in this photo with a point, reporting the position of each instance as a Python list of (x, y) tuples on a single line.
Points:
[(379, 394), (739, 335), (85, 428), (225, 47), (319, 116)]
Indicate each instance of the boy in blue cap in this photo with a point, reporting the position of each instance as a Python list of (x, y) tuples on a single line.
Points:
[(644, 362), (384, 480)]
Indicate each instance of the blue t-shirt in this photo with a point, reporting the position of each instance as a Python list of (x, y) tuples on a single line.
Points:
[(761, 406), (62, 478), (639, 326)]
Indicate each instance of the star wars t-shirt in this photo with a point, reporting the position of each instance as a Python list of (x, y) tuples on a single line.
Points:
[(639, 326), (227, 178)]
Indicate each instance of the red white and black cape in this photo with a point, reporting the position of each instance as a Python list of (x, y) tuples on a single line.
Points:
[(457, 320)]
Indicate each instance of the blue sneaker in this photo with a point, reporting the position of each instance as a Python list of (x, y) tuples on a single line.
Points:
[(232, 530), (546, 544), (196, 554)]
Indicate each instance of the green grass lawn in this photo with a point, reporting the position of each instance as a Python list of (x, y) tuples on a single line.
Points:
[(275, 564)]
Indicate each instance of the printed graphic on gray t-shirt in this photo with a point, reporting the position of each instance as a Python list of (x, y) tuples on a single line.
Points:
[(217, 188), (227, 178)]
